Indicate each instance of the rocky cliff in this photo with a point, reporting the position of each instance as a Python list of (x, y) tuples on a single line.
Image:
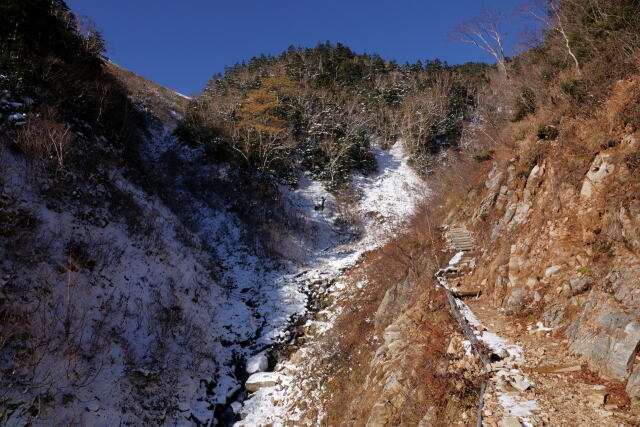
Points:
[(559, 227)]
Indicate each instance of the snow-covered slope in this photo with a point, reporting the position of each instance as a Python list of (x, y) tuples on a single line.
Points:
[(388, 200), (152, 293)]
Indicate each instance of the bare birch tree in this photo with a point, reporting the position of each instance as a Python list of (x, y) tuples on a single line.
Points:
[(548, 13), (484, 31)]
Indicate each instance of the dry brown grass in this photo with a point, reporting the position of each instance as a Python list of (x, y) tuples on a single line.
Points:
[(46, 139)]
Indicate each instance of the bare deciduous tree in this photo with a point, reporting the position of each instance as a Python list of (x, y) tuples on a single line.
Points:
[(484, 31), (548, 13), (41, 138)]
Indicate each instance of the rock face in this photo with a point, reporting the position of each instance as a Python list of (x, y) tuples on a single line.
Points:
[(633, 387), (600, 169), (607, 337), (567, 250), (395, 388), (607, 332)]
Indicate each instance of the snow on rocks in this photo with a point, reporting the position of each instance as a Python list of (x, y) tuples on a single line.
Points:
[(17, 117), (539, 328), (260, 380), (388, 199), (391, 196), (456, 258), (517, 406), (257, 363)]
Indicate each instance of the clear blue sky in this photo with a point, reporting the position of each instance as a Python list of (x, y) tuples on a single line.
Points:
[(181, 44)]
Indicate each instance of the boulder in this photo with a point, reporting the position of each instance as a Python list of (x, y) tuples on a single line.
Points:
[(515, 303), (261, 380), (257, 363)]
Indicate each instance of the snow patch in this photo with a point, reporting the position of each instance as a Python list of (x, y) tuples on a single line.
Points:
[(516, 405), (456, 258)]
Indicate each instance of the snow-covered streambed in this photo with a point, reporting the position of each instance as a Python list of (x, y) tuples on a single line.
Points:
[(388, 199), (267, 298)]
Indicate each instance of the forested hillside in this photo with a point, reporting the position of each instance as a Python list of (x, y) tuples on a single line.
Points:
[(323, 108)]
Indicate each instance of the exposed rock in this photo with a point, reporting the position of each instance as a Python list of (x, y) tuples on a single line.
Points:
[(510, 422), (579, 286), (600, 169), (381, 413), (260, 380), (520, 383), (623, 283), (429, 419), (492, 184), (633, 387), (515, 261), (553, 316), (455, 346), (397, 298), (515, 303), (552, 270), (533, 182), (599, 397), (607, 337), (236, 407), (561, 369), (466, 293)]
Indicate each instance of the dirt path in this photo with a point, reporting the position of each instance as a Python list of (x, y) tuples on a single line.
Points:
[(534, 380), (566, 393)]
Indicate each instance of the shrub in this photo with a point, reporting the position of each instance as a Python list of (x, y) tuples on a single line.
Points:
[(630, 115), (633, 161), (575, 89), (45, 139), (484, 157), (525, 104), (548, 132)]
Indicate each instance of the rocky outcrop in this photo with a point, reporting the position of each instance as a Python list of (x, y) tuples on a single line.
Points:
[(607, 337), (399, 383), (567, 253)]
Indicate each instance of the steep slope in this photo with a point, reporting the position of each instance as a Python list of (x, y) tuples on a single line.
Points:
[(153, 285), (557, 262)]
